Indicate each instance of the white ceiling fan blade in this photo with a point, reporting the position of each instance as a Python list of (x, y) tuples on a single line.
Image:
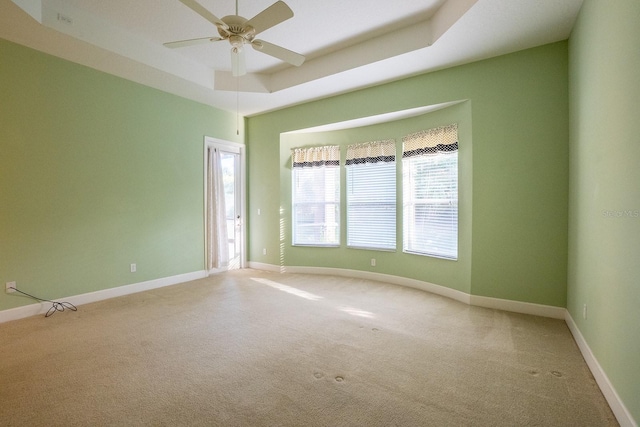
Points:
[(238, 64), (271, 16), (286, 55), (200, 10), (191, 42)]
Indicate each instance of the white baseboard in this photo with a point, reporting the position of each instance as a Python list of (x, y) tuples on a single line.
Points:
[(41, 308), (519, 307), (480, 301), (265, 267), (617, 405), (387, 278)]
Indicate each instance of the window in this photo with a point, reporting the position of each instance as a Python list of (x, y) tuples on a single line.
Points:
[(371, 195), (430, 192), (316, 196)]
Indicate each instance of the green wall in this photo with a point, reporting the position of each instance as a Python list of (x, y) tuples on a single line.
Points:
[(518, 117), (604, 214), (96, 173)]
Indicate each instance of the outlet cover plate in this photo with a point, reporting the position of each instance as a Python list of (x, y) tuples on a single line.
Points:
[(9, 285)]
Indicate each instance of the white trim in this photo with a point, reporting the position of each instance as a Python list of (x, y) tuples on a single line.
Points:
[(387, 278), (475, 300), (519, 307), (368, 275), (265, 267), (480, 301), (240, 149), (41, 308), (617, 405)]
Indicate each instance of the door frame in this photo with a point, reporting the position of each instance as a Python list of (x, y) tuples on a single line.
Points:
[(234, 147)]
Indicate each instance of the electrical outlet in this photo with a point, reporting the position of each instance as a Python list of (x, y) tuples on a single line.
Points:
[(264, 251), (584, 312), (373, 262), (133, 268), (10, 285)]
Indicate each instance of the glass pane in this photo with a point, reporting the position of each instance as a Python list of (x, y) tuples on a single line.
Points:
[(229, 179), (430, 193), (316, 206), (371, 205)]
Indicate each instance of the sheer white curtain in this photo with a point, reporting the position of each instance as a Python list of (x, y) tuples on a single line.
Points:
[(217, 238)]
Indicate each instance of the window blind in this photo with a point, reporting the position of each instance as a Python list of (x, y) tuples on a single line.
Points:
[(316, 196), (371, 195), (430, 192)]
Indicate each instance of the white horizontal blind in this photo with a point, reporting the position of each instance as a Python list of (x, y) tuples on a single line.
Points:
[(430, 192), (371, 195), (316, 196)]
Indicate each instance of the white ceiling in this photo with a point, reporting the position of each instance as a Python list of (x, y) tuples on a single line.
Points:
[(349, 44)]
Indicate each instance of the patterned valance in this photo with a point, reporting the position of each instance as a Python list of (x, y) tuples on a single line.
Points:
[(316, 157), (443, 139), (371, 152)]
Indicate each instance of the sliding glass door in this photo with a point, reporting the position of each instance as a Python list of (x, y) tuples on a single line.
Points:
[(231, 177)]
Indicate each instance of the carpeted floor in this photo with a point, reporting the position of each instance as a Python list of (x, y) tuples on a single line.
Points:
[(252, 348)]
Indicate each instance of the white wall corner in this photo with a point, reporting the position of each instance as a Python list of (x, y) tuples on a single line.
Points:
[(621, 412)]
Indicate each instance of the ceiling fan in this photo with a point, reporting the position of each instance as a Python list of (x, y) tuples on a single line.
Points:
[(240, 31)]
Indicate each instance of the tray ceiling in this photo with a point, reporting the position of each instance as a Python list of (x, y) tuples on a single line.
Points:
[(348, 44)]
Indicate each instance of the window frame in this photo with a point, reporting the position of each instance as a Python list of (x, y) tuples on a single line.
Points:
[(313, 161), (432, 144)]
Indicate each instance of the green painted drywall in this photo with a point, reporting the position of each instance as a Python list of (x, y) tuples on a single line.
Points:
[(96, 173), (604, 202), (519, 128)]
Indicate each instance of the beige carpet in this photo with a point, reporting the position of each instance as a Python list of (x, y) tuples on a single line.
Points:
[(250, 348)]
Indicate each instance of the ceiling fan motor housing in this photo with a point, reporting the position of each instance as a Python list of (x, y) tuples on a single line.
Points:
[(237, 32)]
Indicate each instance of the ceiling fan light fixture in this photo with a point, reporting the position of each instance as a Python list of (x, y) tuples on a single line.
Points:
[(236, 41), (240, 31)]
